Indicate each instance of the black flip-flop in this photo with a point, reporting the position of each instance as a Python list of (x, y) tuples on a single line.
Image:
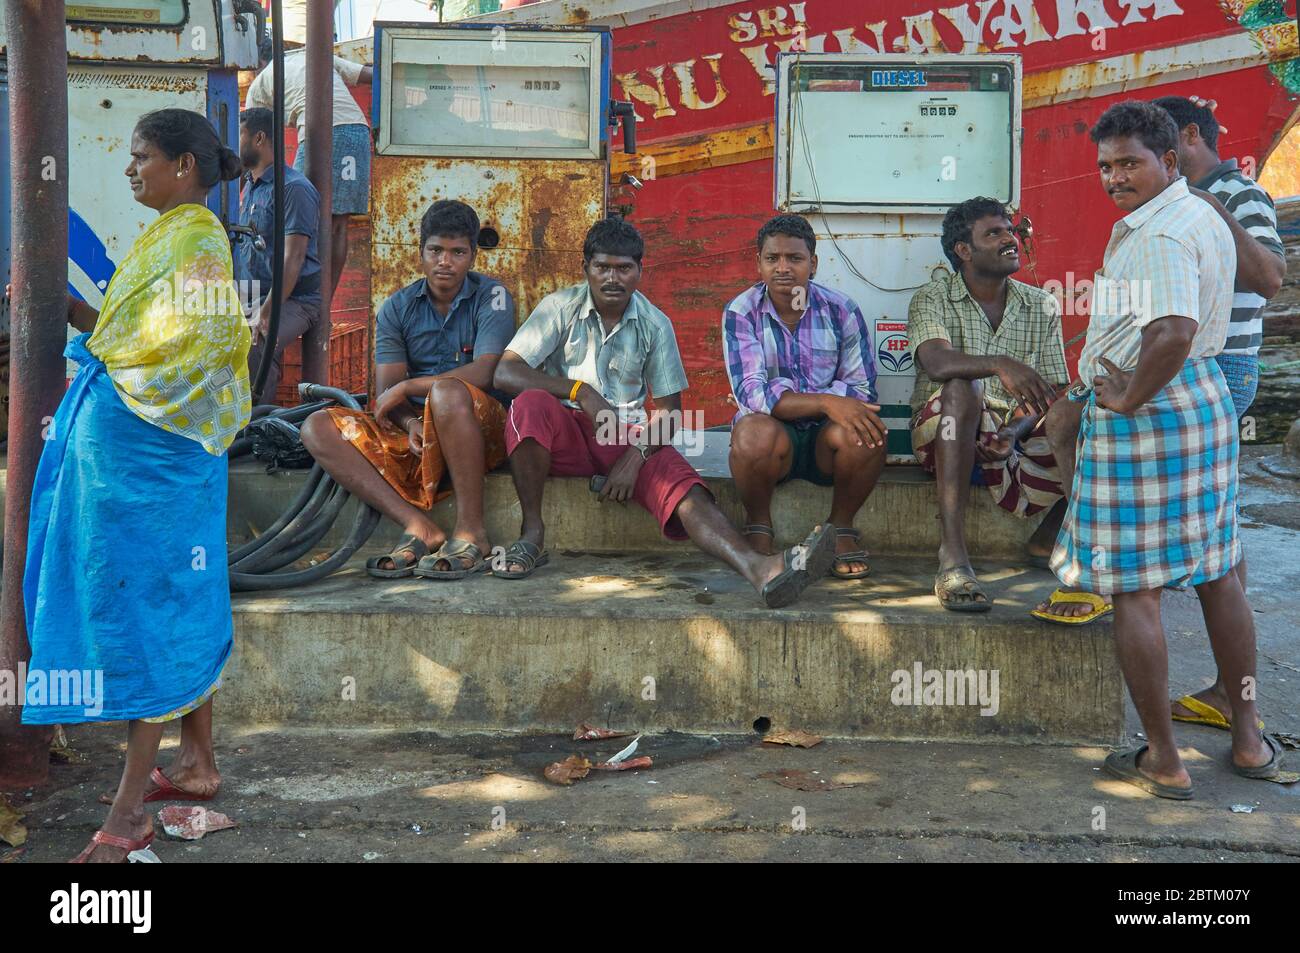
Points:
[(1263, 772), (453, 552), (816, 553), (527, 553), (408, 543), (1123, 765), (849, 558)]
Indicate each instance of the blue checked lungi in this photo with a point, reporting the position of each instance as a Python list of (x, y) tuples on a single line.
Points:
[(350, 163), (1154, 500)]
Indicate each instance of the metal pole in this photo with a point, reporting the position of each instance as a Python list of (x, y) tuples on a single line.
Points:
[(38, 133), (320, 161)]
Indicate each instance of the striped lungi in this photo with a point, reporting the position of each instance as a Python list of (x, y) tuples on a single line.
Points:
[(1027, 482), (1154, 500)]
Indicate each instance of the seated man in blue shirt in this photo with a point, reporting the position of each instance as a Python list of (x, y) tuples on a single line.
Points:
[(300, 297), (437, 424)]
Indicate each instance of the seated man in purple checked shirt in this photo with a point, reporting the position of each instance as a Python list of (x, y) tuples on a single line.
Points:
[(801, 369)]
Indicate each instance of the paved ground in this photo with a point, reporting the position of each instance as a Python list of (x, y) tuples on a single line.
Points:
[(363, 796), (372, 796)]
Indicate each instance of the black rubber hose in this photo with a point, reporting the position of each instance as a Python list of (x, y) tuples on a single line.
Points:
[(311, 536), (308, 488), (308, 390), (306, 521), (366, 521), (274, 543)]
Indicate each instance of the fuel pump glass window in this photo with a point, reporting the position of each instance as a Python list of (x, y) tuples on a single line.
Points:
[(930, 134), (490, 96), (157, 13)]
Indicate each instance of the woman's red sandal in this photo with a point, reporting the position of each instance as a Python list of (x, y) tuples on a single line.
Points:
[(112, 840)]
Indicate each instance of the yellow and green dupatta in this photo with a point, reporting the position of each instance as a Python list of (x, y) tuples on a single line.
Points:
[(172, 333)]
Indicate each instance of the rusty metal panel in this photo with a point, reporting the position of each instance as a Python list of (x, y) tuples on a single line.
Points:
[(540, 208)]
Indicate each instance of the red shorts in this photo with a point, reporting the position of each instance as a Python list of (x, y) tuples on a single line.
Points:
[(570, 436)]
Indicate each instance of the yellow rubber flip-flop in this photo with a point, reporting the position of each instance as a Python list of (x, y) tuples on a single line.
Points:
[(1206, 715), (1100, 608)]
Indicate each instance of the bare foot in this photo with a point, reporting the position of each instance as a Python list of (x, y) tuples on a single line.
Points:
[(771, 567)]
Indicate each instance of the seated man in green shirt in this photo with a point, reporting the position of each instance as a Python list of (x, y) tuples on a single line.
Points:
[(989, 362)]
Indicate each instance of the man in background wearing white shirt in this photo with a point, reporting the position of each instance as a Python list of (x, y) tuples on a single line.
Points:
[(351, 148)]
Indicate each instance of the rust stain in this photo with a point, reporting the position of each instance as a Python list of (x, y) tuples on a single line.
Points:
[(541, 208)]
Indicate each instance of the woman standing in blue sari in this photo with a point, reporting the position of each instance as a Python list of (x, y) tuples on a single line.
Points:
[(126, 576)]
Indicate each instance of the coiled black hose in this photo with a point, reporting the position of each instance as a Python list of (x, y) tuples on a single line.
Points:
[(255, 566)]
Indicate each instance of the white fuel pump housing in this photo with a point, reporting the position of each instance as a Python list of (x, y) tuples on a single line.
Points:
[(873, 149)]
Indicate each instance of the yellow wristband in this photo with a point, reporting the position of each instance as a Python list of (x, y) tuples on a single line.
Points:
[(573, 394)]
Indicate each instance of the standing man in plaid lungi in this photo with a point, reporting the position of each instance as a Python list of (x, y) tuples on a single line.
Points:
[(1153, 501)]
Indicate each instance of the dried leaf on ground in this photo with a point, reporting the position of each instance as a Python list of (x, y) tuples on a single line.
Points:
[(630, 764), (12, 831), (803, 781), (794, 737), (1287, 740), (190, 822), (588, 732), (567, 771)]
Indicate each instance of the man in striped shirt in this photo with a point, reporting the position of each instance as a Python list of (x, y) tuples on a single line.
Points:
[(803, 377), (1261, 265)]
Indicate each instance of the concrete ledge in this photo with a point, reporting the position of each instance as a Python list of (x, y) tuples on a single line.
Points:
[(901, 516), (579, 639)]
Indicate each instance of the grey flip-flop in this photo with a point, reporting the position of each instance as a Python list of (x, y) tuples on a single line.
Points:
[(1263, 772), (947, 582), (817, 552), (1123, 765), (454, 552), (527, 553), (407, 544)]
